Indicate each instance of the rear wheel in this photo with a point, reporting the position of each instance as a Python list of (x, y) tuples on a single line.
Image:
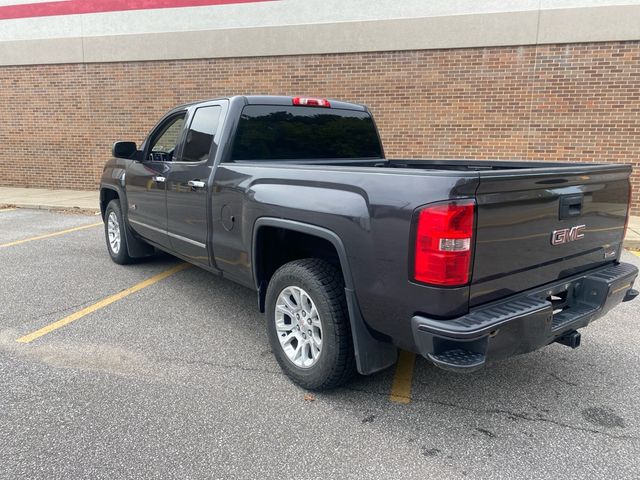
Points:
[(308, 324), (114, 233)]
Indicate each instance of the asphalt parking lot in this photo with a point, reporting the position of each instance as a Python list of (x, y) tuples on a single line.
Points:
[(174, 379)]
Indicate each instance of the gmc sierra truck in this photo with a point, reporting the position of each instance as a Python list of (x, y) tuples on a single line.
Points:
[(354, 255)]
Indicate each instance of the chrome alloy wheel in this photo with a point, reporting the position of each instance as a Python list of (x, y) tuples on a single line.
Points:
[(113, 231), (299, 327)]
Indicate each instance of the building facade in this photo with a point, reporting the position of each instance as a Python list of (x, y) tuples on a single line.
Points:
[(529, 79)]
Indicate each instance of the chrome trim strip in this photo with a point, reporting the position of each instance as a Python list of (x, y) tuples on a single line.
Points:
[(155, 229), (185, 239), (172, 235)]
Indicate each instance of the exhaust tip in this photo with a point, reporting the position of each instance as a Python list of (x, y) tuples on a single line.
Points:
[(570, 339)]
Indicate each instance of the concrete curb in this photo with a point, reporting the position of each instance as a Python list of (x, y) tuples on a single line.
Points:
[(54, 208), (632, 243)]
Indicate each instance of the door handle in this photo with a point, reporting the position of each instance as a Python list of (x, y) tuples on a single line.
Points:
[(159, 179), (196, 183)]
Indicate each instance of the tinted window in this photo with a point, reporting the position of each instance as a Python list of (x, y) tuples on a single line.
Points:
[(273, 132), (200, 135), (166, 139)]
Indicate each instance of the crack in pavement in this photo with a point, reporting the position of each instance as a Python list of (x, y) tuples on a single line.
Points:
[(562, 380), (508, 413), (60, 310), (526, 417), (64, 309)]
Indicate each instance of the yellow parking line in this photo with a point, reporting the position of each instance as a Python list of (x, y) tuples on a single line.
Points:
[(48, 235), (635, 252), (401, 388), (7, 209), (101, 304)]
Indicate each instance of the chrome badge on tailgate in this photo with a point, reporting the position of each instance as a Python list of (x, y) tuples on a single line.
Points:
[(565, 235)]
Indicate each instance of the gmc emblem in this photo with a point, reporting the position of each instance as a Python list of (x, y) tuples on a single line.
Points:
[(566, 235)]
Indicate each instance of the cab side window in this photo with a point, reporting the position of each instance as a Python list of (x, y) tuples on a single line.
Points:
[(201, 134), (163, 146)]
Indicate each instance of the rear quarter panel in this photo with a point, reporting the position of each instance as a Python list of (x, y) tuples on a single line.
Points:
[(369, 209)]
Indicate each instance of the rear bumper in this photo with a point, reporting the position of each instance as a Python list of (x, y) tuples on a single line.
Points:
[(524, 322)]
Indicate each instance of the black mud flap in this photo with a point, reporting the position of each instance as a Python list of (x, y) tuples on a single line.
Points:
[(136, 247), (372, 355)]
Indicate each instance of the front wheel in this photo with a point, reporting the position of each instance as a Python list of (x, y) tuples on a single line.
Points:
[(308, 324), (115, 235)]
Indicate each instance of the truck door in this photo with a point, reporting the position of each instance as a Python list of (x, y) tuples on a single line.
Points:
[(188, 184), (146, 180)]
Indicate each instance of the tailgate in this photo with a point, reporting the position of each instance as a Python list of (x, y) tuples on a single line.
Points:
[(538, 225)]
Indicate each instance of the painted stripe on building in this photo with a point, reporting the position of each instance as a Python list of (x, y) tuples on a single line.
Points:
[(75, 7)]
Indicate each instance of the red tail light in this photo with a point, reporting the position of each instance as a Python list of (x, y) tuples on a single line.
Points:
[(444, 236), (312, 102)]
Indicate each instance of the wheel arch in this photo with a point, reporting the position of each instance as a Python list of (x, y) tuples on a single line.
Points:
[(372, 354), (108, 193), (135, 246), (299, 227)]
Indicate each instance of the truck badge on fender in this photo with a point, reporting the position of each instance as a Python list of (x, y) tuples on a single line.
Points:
[(566, 235)]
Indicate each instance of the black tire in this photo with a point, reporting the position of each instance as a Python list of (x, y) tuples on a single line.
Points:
[(324, 283), (120, 257)]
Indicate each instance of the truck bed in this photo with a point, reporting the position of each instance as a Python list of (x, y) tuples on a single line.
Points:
[(521, 204)]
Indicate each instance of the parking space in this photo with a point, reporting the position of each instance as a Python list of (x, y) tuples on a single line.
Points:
[(175, 379)]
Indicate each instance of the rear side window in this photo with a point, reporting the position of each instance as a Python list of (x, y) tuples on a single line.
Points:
[(276, 132), (200, 135)]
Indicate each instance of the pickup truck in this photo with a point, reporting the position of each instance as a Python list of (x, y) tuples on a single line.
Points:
[(354, 255)]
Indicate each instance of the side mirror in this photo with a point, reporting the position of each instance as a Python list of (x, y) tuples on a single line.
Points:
[(124, 150)]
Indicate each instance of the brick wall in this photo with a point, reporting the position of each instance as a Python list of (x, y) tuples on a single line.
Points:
[(562, 102)]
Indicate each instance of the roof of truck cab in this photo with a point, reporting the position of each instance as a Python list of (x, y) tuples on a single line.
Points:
[(274, 100), (287, 100)]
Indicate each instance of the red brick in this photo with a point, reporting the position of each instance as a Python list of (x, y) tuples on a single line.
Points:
[(558, 102)]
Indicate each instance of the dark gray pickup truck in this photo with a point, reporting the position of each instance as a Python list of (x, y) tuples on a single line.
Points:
[(353, 255)]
